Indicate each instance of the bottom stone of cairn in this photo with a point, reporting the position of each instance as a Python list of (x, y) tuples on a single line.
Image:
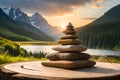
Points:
[(69, 64)]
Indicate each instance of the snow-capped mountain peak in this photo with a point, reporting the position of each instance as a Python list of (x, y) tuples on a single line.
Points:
[(39, 20), (6, 10), (16, 14), (37, 14)]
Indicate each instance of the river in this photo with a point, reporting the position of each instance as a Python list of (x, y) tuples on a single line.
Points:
[(48, 49)]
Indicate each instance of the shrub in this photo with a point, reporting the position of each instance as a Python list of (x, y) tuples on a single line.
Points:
[(39, 55)]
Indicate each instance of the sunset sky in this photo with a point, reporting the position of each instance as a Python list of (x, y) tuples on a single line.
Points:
[(60, 12)]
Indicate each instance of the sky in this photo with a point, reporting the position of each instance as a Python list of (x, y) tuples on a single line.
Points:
[(61, 12)]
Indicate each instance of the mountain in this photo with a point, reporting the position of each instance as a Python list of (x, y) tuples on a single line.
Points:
[(103, 32), (35, 20), (16, 30), (40, 23), (17, 14)]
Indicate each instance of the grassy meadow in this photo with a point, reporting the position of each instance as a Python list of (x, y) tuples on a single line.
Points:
[(6, 57), (10, 59)]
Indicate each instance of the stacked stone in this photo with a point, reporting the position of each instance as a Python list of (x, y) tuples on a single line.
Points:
[(69, 54)]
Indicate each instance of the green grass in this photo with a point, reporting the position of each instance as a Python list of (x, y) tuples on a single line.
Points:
[(110, 59), (36, 43), (4, 58)]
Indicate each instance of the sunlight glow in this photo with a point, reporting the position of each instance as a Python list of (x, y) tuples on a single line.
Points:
[(63, 25)]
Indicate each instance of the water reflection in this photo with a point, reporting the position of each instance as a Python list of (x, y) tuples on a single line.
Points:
[(48, 49)]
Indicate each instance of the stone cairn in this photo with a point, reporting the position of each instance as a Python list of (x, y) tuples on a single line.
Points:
[(69, 54)]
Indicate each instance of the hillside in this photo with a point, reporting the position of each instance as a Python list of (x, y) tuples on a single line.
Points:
[(11, 48), (13, 30), (104, 32)]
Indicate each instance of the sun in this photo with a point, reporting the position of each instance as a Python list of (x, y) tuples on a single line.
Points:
[(63, 25)]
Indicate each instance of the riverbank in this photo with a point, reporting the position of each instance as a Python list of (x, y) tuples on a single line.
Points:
[(109, 59), (36, 42)]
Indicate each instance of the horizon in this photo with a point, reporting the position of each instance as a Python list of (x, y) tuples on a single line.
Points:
[(60, 13)]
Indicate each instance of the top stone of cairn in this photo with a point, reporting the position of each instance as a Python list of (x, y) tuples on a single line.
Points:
[(70, 26), (69, 29), (69, 38)]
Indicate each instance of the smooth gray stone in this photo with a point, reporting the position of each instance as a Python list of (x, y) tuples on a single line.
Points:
[(68, 56), (74, 48)]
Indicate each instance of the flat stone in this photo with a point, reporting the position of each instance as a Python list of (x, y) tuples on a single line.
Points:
[(33, 70), (69, 37), (69, 48), (69, 26), (69, 32), (68, 56), (69, 41), (70, 29), (69, 64)]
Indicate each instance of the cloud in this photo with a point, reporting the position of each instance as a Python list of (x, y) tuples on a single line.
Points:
[(91, 18), (46, 7), (99, 0), (96, 6)]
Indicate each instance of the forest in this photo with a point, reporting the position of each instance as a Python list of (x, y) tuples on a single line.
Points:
[(103, 36)]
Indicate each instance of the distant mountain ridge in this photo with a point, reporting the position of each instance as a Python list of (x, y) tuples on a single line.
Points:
[(19, 31), (35, 20), (17, 14), (111, 15), (103, 32), (40, 23)]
